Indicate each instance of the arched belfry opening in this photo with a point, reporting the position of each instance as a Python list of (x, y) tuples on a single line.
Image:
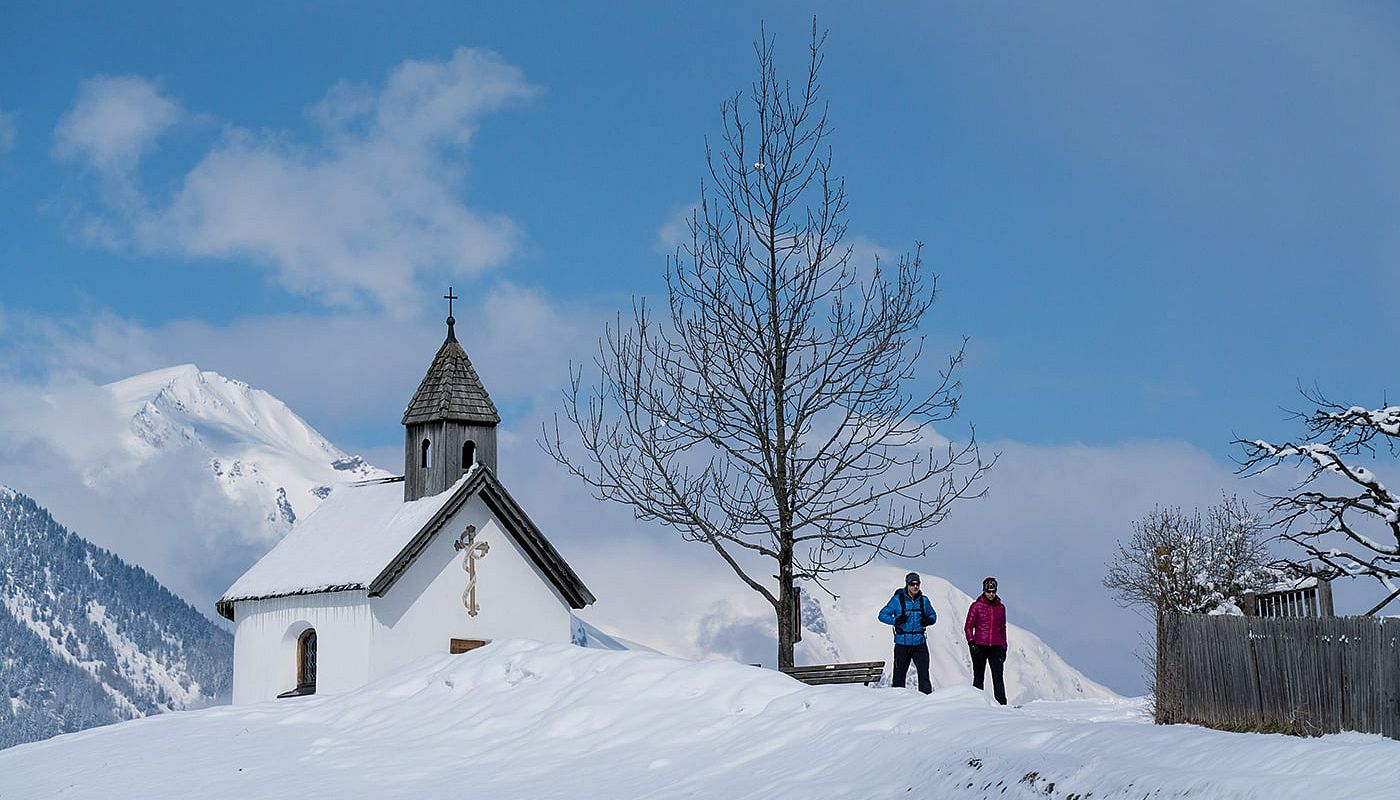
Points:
[(450, 413)]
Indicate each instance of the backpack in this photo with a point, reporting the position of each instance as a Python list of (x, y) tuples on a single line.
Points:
[(904, 609)]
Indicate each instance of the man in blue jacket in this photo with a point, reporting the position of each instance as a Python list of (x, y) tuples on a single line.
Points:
[(910, 612)]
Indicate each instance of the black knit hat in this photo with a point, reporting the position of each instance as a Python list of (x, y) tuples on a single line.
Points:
[(912, 577), (989, 584)]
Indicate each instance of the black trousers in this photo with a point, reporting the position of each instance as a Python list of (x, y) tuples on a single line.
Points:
[(983, 654), (917, 653)]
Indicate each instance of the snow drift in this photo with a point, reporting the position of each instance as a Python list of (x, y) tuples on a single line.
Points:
[(523, 719)]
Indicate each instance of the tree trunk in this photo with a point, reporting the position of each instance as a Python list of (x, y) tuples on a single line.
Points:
[(787, 617)]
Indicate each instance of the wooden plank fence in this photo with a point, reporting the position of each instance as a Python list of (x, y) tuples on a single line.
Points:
[(1302, 675)]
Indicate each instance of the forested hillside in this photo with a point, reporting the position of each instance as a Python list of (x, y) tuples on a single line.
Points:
[(87, 639)]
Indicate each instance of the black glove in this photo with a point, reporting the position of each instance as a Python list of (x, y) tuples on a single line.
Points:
[(901, 619)]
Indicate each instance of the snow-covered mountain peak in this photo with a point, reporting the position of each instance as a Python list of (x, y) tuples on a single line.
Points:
[(185, 396), (256, 447), (142, 388)]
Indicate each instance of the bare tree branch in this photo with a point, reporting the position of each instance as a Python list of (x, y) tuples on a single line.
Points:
[(1340, 515)]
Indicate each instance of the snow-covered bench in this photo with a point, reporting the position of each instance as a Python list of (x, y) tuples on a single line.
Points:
[(866, 672)]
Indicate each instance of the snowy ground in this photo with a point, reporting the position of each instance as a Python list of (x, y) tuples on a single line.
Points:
[(527, 720)]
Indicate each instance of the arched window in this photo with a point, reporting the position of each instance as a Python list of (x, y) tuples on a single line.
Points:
[(468, 455), (427, 460), (306, 662)]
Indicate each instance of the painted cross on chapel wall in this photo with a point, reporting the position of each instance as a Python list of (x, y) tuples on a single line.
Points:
[(472, 551)]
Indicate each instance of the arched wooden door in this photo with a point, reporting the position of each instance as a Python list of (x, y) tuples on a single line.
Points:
[(306, 661)]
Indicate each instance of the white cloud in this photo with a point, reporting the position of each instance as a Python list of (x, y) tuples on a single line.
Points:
[(675, 231), (865, 252), (71, 418), (114, 121), (363, 213), (355, 369)]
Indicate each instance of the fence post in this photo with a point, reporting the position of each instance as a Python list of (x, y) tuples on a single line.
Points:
[(1324, 597), (1168, 683)]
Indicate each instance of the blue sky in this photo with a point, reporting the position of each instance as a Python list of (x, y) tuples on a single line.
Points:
[(1153, 222)]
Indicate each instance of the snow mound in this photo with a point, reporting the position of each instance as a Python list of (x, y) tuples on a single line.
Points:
[(524, 719)]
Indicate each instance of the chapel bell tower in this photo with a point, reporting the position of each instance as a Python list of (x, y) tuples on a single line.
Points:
[(449, 424)]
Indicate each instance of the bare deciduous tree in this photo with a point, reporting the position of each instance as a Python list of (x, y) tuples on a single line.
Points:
[(1179, 563), (1189, 564), (766, 414), (1340, 514)]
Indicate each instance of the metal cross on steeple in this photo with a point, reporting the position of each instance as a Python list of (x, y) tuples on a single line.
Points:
[(449, 297)]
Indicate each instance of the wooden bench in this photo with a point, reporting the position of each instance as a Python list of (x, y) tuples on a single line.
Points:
[(866, 672)]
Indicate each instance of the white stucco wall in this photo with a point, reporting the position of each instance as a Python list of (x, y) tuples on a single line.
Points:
[(361, 638), (423, 610), (265, 643)]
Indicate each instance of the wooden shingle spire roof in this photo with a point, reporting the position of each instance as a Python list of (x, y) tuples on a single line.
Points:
[(451, 390)]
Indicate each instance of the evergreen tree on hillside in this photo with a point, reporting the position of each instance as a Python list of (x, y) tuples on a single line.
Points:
[(87, 639)]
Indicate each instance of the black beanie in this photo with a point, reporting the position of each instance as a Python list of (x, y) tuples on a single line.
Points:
[(989, 584), (912, 577)]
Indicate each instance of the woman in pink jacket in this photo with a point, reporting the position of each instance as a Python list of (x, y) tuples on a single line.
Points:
[(986, 637)]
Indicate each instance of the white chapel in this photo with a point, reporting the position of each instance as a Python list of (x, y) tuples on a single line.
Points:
[(440, 560)]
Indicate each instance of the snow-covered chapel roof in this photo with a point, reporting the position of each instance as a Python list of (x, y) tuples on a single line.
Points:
[(364, 536)]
